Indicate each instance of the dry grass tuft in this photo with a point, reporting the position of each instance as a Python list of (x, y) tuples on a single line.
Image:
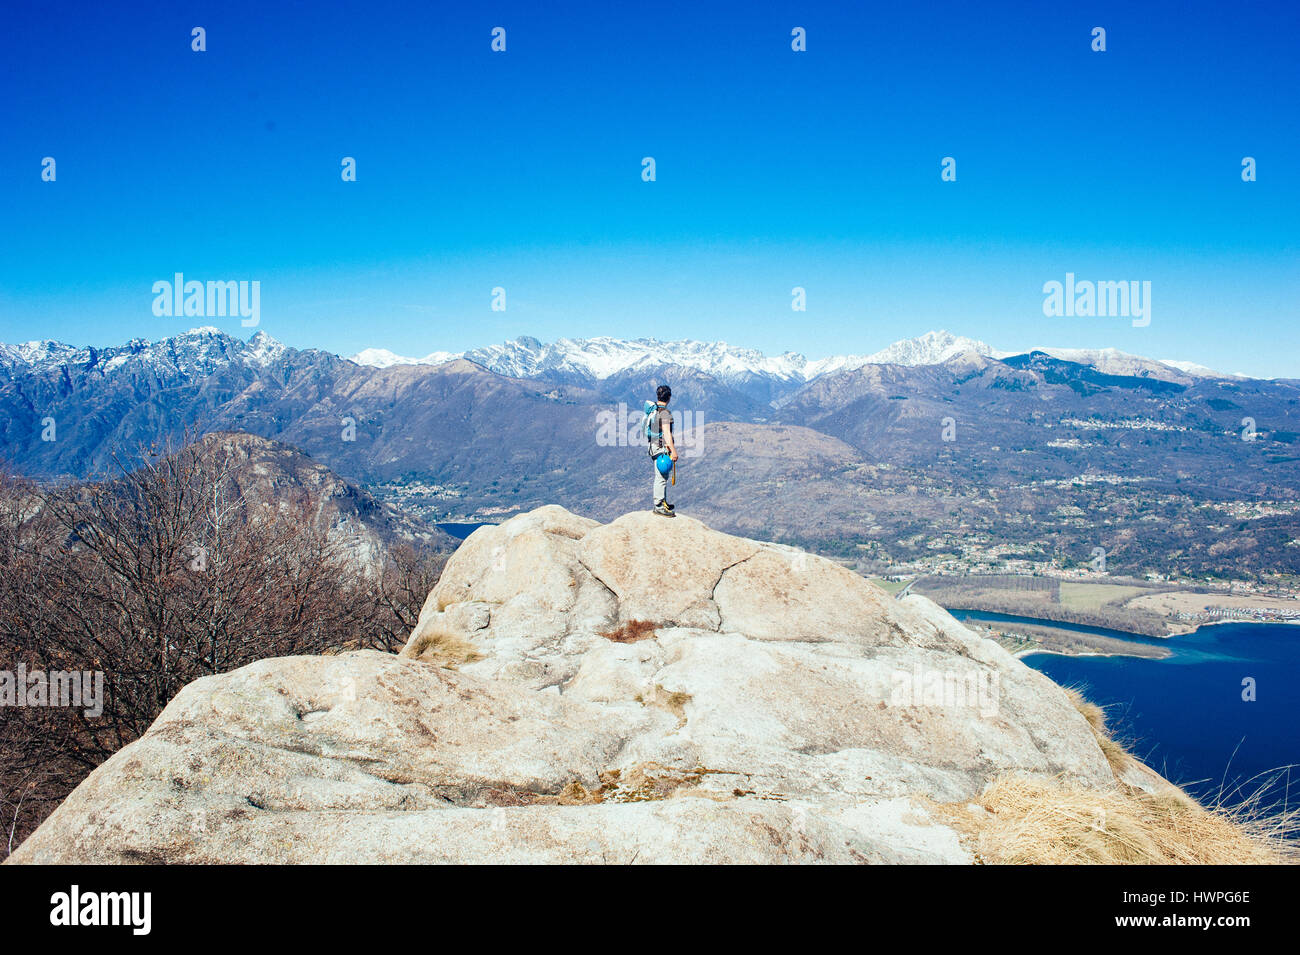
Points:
[(1027, 821), (347, 646), (1111, 748), (1022, 820), (646, 782), (444, 647), (631, 631), (674, 702), (650, 782), (576, 794)]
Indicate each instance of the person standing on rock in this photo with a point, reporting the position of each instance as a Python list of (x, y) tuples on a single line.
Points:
[(663, 449)]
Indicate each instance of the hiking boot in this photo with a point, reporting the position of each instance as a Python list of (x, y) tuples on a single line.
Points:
[(664, 510)]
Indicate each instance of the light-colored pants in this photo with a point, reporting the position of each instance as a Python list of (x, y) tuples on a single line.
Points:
[(661, 483)]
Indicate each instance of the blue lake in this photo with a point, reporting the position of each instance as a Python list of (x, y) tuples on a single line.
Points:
[(1185, 715), (459, 531)]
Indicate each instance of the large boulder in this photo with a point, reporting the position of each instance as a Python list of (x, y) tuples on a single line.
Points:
[(647, 690)]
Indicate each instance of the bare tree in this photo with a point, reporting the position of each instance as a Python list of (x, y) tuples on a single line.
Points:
[(161, 575), (408, 576)]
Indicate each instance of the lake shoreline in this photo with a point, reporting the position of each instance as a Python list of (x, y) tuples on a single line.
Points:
[(1219, 711), (1077, 640), (1022, 636), (1220, 623)]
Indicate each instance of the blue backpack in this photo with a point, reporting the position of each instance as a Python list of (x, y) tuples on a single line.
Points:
[(650, 426)]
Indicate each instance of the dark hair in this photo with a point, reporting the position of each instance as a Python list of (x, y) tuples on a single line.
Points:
[(663, 393)]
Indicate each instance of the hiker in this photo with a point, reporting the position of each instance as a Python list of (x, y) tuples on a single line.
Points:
[(663, 449)]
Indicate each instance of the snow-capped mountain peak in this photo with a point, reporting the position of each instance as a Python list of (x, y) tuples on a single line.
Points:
[(383, 358), (39, 352), (198, 350), (932, 348), (1195, 370), (264, 349)]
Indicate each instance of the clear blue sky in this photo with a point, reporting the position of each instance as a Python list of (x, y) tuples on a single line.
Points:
[(775, 169)]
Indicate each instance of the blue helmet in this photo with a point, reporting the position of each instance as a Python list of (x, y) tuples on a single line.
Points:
[(664, 463)]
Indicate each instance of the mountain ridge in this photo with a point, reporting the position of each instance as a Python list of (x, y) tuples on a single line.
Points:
[(602, 357)]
